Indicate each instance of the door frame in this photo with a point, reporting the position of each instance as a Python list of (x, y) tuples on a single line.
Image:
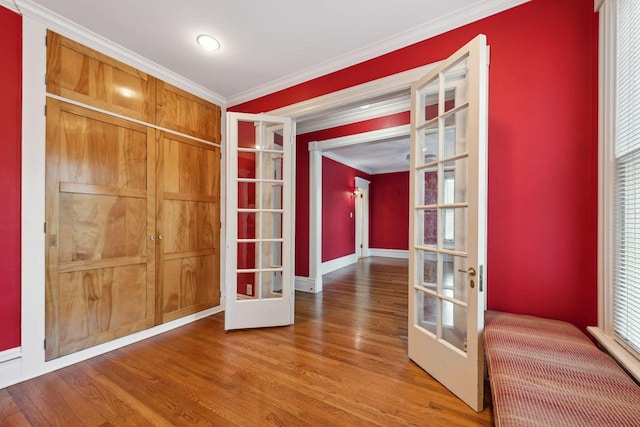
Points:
[(299, 111), (316, 148), (362, 217)]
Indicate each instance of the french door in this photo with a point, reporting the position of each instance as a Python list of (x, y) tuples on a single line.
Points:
[(448, 221), (260, 206)]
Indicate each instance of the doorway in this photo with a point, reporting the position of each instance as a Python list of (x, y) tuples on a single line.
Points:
[(361, 194)]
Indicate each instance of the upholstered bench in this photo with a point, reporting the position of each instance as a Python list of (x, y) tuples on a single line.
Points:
[(548, 373)]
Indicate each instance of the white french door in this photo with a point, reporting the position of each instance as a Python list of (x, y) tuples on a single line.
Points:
[(448, 221), (260, 278)]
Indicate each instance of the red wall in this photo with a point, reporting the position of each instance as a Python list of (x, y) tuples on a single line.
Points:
[(389, 211), (10, 160), (542, 213), (338, 209)]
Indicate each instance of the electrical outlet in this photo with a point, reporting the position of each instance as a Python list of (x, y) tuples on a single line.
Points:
[(249, 289)]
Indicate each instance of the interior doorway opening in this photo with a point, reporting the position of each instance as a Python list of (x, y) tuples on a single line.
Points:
[(361, 193)]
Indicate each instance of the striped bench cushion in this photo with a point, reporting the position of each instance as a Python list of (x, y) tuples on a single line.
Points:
[(547, 373)]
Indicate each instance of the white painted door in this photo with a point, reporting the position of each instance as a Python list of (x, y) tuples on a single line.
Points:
[(448, 221), (362, 217), (260, 279)]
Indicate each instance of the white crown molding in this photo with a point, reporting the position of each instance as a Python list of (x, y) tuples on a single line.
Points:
[(404, 168), (360, 138), (480, 10), (69, 29), (385, 86), (9, 5), (331, 120), (347, 162)]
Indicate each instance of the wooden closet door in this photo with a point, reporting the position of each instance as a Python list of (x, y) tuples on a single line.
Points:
[(188, 222), (186, 113), (82, 74), (100, 215)]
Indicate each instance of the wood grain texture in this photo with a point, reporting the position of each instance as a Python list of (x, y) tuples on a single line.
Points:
[(181, 111), (100, 274), (344, 362), (77, 72), (188, 218)]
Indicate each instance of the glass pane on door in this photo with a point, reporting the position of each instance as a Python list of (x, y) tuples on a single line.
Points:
[(260, 210)]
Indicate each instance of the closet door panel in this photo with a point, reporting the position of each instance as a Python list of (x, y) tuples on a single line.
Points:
[(188, 287), (189, 222), (95, 227), (99, 305), (100, 277), (82, 74), (186, 113)]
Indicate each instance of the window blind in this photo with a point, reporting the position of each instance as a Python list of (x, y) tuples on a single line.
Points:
[(626, 280)]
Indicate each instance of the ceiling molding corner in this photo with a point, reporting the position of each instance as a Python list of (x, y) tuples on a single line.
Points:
[(10, 5), (90, 39), (350, 163), (480, 10)]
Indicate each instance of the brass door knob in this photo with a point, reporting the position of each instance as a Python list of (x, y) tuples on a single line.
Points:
[(471, 271)]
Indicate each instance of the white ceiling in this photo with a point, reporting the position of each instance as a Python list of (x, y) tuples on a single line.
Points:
[(265, 45), (268, 46), (374, 157)]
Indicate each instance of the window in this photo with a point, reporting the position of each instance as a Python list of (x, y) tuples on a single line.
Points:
[(619, 245)]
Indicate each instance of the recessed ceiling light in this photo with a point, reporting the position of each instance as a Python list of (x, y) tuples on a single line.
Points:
[(208, 42)]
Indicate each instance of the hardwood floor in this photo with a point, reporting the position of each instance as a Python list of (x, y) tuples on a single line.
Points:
[(344, 362)]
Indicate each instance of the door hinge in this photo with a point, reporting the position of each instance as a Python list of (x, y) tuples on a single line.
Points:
[(45, 343), (220, 225), (45, 228), (46, 41), (46, 77), (45, 110), (361, 246)]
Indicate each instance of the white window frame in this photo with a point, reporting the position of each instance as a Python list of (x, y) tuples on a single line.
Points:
[(629, 359)]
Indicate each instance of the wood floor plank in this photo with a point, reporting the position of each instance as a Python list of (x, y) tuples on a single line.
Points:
[(344, 362), (10, 413)]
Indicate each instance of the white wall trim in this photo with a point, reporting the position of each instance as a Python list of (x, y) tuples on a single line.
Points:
[(30, 371), (305, 284), (361, 138), (346, 162), (33, 196), (475, 12), (10, 354), (9, 5), (315, 218), (10, 372), (376, 88), (70, 29), (338, 263), (330, 120), (390, 253), (618, 352)]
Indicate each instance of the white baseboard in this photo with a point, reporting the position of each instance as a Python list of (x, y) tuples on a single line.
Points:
[(10, 354), (390, 253), (306, 284), (338, 263), (10, 366)]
